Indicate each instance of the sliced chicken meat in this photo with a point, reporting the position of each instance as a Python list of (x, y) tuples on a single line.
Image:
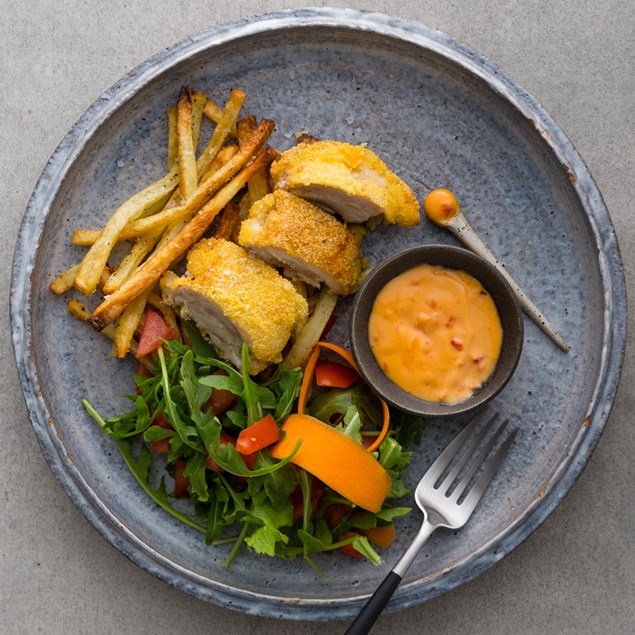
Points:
[(235, 297), (310, 244), (345, 179)]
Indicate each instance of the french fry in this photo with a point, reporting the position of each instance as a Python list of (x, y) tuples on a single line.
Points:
[(229, 222), (171, 137), (64, 282), (79, 311), (222, 131), (128, 322), (214, 113), (207, 188), (225, 154), (204, 191), (198, 104), (132, 260), (312, 331), (163, 258), (188, 180), (245, 128), (95, 260), (258, 186), (86, 237)]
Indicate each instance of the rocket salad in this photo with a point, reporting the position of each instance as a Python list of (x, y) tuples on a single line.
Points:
[(212, 427)]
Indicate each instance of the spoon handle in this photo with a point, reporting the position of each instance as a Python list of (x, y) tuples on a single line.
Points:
[(460, 227)]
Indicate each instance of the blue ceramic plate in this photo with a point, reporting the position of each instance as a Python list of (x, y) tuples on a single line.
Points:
[(441, 116)]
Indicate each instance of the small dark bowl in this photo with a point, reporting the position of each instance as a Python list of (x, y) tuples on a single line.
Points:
[(452, 258)]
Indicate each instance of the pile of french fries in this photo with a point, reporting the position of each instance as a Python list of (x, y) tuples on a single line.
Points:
[(164, 220)]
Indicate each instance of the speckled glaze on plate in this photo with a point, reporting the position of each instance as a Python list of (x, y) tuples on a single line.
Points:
[(441, 116)]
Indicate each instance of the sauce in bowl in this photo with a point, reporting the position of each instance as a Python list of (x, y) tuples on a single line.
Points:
[(436, 333)]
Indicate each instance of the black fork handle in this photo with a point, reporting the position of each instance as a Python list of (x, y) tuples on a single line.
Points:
[(375, 605)]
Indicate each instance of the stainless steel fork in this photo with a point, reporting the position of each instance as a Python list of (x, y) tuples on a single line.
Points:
[(442, 504)]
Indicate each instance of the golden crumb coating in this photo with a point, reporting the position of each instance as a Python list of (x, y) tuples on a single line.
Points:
[(235, 297), (313, 245), (355, 171)]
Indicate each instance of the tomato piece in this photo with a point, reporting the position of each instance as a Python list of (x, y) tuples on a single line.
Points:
[(258, 435), (225, 439), (142, 370), (220, 401), (180, 480), (162, 446), (334, 514), (334, 375), (349, 549), (155, 331), (161, 421)]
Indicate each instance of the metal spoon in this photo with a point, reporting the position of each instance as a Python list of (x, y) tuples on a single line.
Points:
[(442, 208)]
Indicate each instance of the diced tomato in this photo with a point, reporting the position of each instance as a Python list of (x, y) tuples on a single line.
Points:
[(161, 421), (142, 370), (334, 514), (258, 435), (220, 401), (225, 439), (349, 549), (334, 375), (162, 446), (155, 331), (180, 481)]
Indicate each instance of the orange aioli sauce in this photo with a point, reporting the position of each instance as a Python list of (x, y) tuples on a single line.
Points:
[(436, 333)]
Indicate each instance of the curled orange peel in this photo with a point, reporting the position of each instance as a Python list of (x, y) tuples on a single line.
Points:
[(307, 380)]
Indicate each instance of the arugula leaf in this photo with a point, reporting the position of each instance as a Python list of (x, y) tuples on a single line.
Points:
[(327, 405), (257, 398), (278, 484), (140, 468), (175, 415), (352, 424), (392, 456), (360, 543), (195, 472), (264, 539), (219, 500), (286, 387), (197, 395), (232, 461), (127, 425)]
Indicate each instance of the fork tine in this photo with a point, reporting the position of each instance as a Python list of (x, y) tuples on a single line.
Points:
[(466, 456), (474, 496), (444, 459), (462, 484)]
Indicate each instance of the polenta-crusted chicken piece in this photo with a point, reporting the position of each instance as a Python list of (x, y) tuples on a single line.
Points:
[(344, 179), (235, 297), (309, 243)]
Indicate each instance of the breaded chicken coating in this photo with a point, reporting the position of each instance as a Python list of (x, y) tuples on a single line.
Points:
[(344, 179), (311, 245), (235, 297)]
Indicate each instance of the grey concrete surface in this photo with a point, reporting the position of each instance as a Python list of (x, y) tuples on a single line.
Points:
[(575, 574)]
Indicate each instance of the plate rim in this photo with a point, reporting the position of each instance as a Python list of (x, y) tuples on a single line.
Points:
[(404, 30)]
